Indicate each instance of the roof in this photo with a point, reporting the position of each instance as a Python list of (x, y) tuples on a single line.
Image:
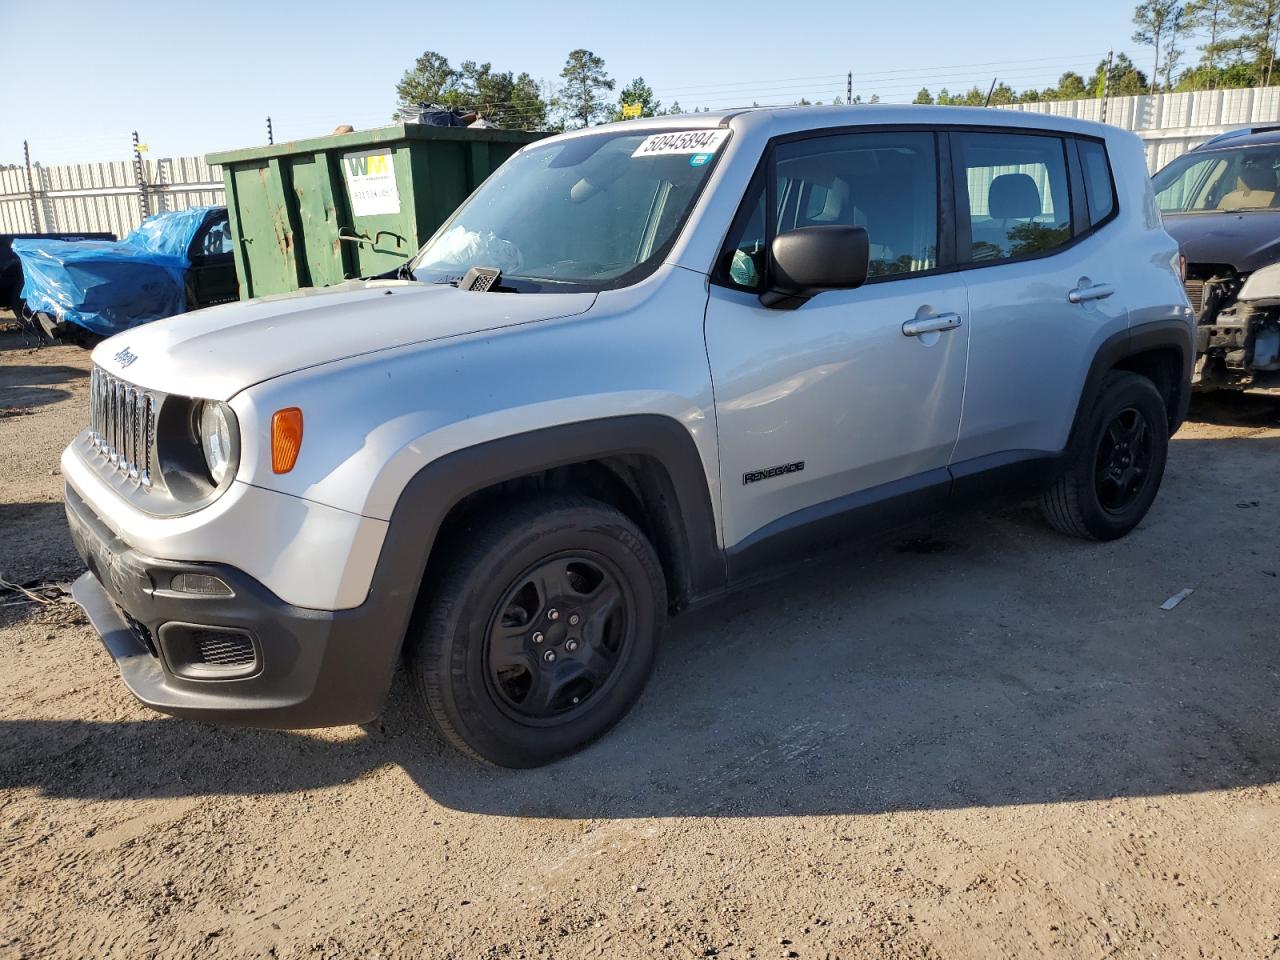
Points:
[(796, 118)]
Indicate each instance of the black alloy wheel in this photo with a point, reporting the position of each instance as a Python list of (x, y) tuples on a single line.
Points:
[(1114, 462), (1124, 460), (558, 636), (538, 628)]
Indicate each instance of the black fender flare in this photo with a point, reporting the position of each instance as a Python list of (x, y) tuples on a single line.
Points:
[(1119, 347), (438, 487)]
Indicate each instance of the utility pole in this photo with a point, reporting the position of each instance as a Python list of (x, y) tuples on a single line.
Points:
[(138, 176), (270, 136), (1106, 86), (848, 89), (31, 188)]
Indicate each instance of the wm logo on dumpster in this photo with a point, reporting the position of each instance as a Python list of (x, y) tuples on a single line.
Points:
[(368, 165)]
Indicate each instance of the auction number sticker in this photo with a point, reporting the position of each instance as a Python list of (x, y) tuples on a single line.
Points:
[(690, 141)]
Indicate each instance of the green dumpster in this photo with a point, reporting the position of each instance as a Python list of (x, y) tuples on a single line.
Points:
[(316, 212)]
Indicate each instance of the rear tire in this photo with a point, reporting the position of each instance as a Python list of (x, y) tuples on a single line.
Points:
[(1116, 464), (541, 631)]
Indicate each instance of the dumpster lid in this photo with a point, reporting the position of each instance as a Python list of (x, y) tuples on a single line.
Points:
[(393, 133)]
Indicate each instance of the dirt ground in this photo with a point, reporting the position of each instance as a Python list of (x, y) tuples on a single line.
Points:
[(985, 741)]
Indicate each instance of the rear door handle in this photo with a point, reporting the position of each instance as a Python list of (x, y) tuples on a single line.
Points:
[(1097, 291), (934, 324)]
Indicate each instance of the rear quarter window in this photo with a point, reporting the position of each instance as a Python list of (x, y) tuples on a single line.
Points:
[(1099, 186)]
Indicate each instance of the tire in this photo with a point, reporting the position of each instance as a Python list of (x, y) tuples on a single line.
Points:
[(1116, 463), (11, 298), (521, 653)]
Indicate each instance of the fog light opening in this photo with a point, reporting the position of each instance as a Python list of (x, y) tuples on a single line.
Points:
[(201, 584)]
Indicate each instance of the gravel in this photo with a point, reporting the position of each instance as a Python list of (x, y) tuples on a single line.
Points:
[(982, 740)]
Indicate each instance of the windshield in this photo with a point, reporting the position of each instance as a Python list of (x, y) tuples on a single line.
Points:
[(1223, 181), (590, 213)]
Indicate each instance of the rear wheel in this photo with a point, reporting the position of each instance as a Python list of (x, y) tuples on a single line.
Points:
[(541, 632), (1117, 462)]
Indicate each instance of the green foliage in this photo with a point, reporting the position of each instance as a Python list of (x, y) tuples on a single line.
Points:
[(1157, 21), (431, 79), (637, 91), (508, 100), (1071, 86), (924, 96), (1126, 79), (1239, 48), (581, 101)]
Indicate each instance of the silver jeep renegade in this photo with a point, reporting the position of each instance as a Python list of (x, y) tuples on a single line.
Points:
[(642, 363)]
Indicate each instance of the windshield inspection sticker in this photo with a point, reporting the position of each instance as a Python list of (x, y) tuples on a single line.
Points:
[(690, 141)]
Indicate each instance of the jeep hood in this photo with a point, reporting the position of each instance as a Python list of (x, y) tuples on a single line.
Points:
[(218, 352), (1246, 241)]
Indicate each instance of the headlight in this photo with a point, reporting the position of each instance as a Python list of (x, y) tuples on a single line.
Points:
[(217, 439)]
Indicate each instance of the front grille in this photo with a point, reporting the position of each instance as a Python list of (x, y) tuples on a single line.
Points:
[(1195, 293), (223, 648), (122, 425)]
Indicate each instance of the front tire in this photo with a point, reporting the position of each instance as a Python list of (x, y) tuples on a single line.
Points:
[(1116, 464), (541, 631)]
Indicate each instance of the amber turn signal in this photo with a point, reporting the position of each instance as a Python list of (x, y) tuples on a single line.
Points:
[(286, 438)]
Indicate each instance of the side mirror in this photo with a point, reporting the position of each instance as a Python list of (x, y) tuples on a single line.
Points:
[(809, 260)]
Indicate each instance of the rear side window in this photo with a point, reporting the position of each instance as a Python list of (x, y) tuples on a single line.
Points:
[(1098, 187), (1016, 189)]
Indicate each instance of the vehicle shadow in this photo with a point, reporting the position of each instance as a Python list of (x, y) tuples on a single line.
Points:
[(990, 662), (23, 386), (1230, 408), (35, 542)]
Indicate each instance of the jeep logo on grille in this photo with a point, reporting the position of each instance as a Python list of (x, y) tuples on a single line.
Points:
[(124, 357)]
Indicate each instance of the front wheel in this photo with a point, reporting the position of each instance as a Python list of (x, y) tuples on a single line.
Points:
[(1116, 464), (542, 630)]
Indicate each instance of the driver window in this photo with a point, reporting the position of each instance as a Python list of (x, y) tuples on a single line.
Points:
[(886, 183), (217, 239)]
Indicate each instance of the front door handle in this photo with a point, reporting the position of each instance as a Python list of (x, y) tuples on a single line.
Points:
[(934, 324), (1096, 291)]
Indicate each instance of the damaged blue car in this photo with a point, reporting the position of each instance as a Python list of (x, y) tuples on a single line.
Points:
[(173, 262)]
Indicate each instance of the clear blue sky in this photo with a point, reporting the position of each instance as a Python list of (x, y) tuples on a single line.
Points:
[(196, 77)]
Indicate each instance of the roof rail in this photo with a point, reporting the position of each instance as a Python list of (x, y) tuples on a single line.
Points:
[(1241, 132)]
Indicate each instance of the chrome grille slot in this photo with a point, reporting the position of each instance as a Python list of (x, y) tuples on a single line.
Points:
[(122, 425)]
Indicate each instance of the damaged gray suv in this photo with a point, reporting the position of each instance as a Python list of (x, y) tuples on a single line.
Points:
[(643, 363)]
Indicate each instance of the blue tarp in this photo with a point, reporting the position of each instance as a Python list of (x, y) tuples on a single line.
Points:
[(109, 287)]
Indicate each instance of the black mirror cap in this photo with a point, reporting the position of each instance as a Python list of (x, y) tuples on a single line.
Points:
[(809, 260)]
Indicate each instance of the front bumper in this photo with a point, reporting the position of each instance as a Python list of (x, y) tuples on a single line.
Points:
[(244, 656)]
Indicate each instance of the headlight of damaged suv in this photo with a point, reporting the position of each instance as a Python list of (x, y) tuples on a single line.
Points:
[(217, 439)]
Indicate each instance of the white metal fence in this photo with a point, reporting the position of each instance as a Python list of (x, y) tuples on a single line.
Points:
[(93, 197), (108, 197), (1170, 124)]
